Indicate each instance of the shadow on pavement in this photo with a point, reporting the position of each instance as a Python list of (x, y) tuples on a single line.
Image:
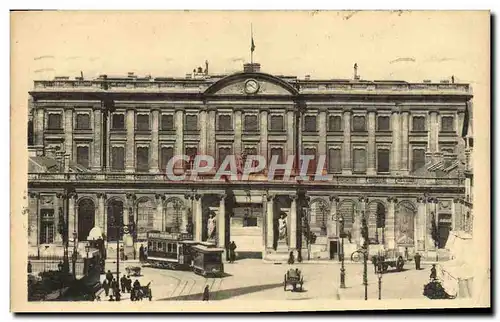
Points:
[(396, 271), (225, 294)]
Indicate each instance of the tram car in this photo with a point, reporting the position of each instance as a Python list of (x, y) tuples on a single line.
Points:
[(207, 260), (169, 250)]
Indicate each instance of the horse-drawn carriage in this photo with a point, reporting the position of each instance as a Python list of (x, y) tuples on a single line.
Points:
[(388, 258), (294, 278)]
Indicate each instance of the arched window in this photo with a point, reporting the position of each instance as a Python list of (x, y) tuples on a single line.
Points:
[(405, 224), (115, 219), (145, 217), (319, 215), (173, 215), (376, 222), (86, 218)]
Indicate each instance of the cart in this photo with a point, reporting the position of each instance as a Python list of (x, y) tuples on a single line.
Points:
[(294, 278), (133, 270), (142, 292), (390, 258)]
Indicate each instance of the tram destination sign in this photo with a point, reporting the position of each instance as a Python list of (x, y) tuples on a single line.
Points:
[(165, 235)]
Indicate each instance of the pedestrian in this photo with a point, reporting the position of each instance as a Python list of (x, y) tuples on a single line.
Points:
[(291, 258), (111, 298), (417, 261), (30, 267), (145, 253), (109, 277), (141, 253), (406, 253), (60, 266), (105, 286), (122, 253), (349, 236), (118, 296), (433, 275), (113, 285), (375, 262), (232, 253), (123, 283), (206, 293), (129, 284)]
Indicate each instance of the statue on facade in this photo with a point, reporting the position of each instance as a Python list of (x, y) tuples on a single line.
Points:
[(211, 226), (282, 227)]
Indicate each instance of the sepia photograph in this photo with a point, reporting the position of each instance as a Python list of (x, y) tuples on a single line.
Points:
[(249, 160)]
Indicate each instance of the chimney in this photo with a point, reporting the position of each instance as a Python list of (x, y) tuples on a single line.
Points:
[(251, 68)]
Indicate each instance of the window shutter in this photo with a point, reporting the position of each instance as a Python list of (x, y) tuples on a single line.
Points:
[(310, 123), (143, 122), (118, 121), (418, 123)]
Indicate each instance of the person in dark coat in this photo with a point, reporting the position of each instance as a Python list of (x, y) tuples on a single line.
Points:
[(375, 263), (105, 286), (291, 258), (406, 253), (129, 284), (349, 236), (109, 277), (417, 261), (30, 267), (141, 253), (232, 253), (433, 275), (60, 266), (206, 293), (123, 283)]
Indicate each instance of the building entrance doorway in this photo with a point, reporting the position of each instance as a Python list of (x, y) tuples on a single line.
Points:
[(246, 230), (334, 249)]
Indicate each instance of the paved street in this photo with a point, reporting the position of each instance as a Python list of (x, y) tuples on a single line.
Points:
[(252, 279)]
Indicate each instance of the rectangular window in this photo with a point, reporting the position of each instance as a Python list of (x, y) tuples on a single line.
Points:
[(334, 161), (118, 122), (82, 121), (359, 160), (167, 153), (142, 122), (223, 153), (335, 123), (383, 161), (277, 123), (142, 159), (246, 153), (418, 123), (311, 168), (225, 123), (418, 159), (82, 156), (167, 122), (383, 123), (359, 124), (310, 123), (279, 153), (447, 124), (54, 122), (191, 122), (47, 228), (191, 152), (117, 158), (251, 123)]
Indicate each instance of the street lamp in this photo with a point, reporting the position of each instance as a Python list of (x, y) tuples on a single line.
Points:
[(364, 233), (380, 272), (342, 267)]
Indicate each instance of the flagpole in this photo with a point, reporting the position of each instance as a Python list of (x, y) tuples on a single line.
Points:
[(251, 44)]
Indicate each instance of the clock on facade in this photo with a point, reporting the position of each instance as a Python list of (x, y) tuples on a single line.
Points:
[(251, 86)]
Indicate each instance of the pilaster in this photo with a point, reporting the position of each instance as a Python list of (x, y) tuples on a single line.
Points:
[(346, 149), (130, 148)]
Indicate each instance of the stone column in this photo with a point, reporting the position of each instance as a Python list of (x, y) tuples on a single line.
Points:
[(432, 144), (68, 132), (39, 124), (58, 205), (322, 126), (346, 147), (263, 133), (211, 132), (432, 214), (371, 148), (33, 221), (420, 226), (270, 221), (361, 214), (290, 134), (72, 214), (395, 146), (390, 224), (203, 131), (333, 218), (293, 222), (97, 160), (130, 148), (405, 126), (221, 223), (153, 162), (237, 132), (184, 219), (101, 200), (198, 213), (158, 221)]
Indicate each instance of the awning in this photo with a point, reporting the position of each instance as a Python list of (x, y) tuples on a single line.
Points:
[(95, 233)]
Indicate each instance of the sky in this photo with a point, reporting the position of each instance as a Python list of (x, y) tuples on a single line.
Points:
[(398, 45)]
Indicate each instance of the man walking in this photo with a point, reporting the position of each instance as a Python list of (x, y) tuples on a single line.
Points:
[(417, 261), (206, 293), (105, 286), (232, 253), (109, 277), (123, 283), (141, 253)]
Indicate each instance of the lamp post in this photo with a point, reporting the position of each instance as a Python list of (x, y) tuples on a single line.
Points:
[(342, 267), (364, 233), (380, 273), (74, 255)]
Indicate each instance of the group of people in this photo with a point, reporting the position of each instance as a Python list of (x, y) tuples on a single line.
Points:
[(112, 289)]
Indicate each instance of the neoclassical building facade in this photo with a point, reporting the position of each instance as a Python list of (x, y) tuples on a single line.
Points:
[(99, 150)]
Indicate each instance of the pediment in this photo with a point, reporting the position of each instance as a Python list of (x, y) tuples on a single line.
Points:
[(252, 84)]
